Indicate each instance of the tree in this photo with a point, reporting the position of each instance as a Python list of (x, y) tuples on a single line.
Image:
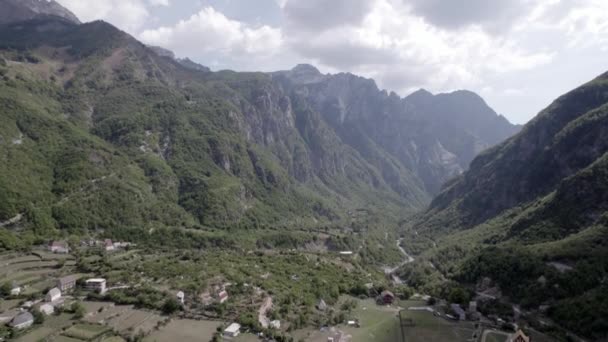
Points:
[(170, 306), (5, 289), (38, 317), (78, 310), (458, 295)]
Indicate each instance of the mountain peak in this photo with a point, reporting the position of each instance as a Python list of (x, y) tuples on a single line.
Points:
[(20, 10), (306, 69), (420, 94)]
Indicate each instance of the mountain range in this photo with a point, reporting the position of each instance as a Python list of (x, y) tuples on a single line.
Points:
[(531, 215), (102, 131)]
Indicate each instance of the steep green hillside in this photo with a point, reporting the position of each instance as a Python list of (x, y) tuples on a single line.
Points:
[(532, 215), (101, 132), (110, 134)]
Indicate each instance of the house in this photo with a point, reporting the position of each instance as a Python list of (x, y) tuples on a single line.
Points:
[(276, 324), (520, 337), (458, 312), (232, 331), (54, 294), (67, 283), (60, 247), (122, 244), (321, 306), (222, 296), (180, 297), (385, 298), (472, 306), (15, 291), (22, 321), (46, 309), (96, 285), (353, 323), (108, 245), (206, 298)]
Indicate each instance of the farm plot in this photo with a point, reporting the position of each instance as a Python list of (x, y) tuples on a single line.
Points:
[(62, 338), (36, 335), (492, 336), (86, 331), (25, 265), (15, 259), (25, 277), (427, 327), (94, 308), (108, 313), (134, 321), (52, 325), (113, 339), (184, 330), (45, 255), (8, 304)]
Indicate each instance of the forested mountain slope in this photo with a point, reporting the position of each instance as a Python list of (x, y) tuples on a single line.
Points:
[(532, 214), (101, 132)]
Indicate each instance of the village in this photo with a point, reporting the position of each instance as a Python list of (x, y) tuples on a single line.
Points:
[(101, 290)]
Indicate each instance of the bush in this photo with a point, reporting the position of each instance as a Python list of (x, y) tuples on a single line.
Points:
[(170, 306)]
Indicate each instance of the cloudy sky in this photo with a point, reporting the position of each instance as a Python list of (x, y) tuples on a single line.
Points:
[(518, 54)]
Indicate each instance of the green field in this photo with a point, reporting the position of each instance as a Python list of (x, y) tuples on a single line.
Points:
[(86, 331), (495, 337), (184, 330), (66, 339), (113, 339), (36, 335)]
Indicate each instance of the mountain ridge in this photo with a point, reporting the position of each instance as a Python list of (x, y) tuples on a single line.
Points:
[(217, 148), (20, 10), (532, 202)]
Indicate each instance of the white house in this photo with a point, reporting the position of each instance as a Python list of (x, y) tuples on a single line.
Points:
[(108, 245), (232, 331), (181, 296), (96, 285), (276, 324), (222, 296), (65, 284), (46, 309), (61, 247), (53, 295), (22, 321), (15, 291)]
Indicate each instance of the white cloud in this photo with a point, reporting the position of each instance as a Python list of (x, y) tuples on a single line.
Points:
[(128, 15), (403, 44), (211, 31), (402, 50), (159, 2)]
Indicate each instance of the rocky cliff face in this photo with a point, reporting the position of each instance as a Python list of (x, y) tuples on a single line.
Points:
[(562, 140), (435, 137), (19, 10)]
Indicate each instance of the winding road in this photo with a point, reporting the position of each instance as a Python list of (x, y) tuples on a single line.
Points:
[(391, 271)]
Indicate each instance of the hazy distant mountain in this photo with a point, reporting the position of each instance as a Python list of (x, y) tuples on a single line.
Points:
[(19, 10)]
